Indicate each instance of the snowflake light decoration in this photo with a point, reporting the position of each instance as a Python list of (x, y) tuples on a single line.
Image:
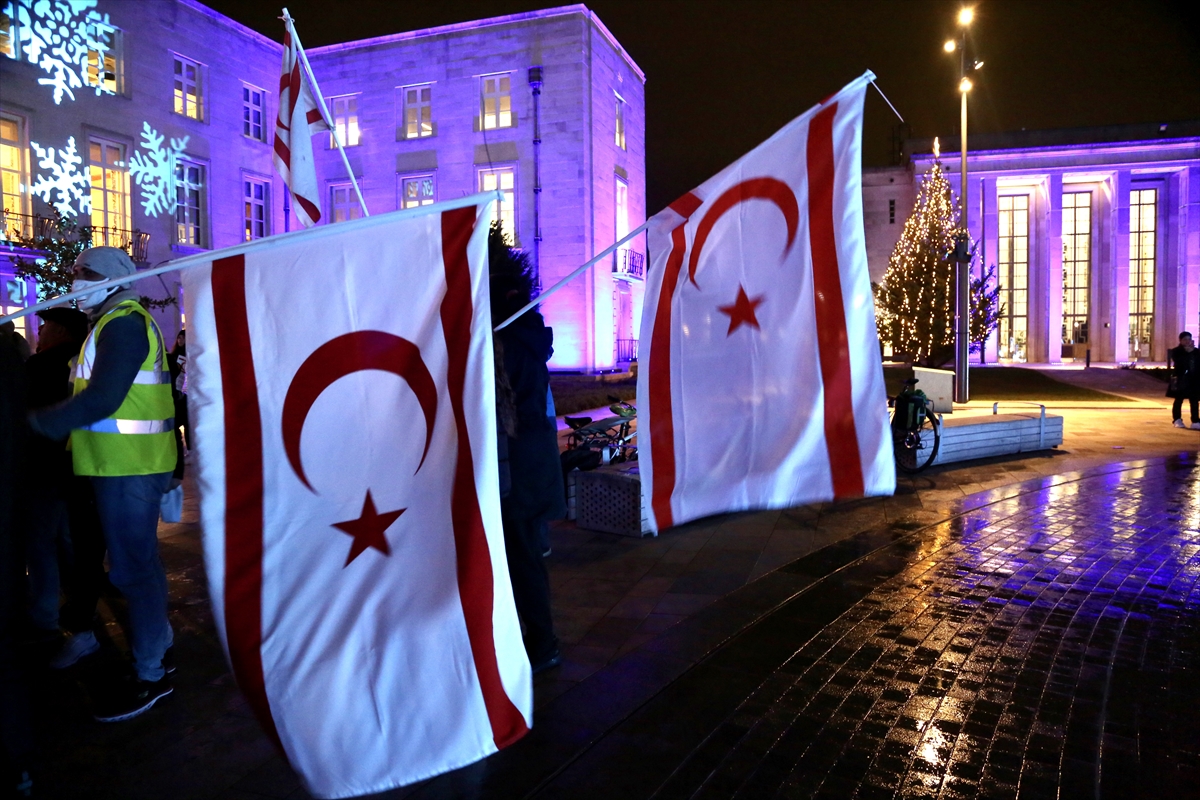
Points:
[(154, 171), (57, 35), (67, 187)]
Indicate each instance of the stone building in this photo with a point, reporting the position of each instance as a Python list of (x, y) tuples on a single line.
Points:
[(1095, 234), (152, 122)]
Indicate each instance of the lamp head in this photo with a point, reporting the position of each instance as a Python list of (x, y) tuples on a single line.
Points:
[(965, 16), (950, 46), (965, 85)]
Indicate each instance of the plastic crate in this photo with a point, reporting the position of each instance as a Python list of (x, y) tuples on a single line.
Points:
[(609, 499)]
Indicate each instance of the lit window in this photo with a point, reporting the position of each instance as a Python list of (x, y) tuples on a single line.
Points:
[(253, 112), (496, 108), (622, 207), (1077, 262), (8, 34), (343, 202), (104, 66), (256, 199), (13, 178), (504, 212), (189, 91), (1014, 276), (345, 119), (418, 111), (109, 175), (620, 127), (417, 190), (1143, 258), (189, 203)]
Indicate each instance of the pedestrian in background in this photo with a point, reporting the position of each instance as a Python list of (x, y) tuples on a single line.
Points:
[(177, 363), (1184, 380), (120, 421)]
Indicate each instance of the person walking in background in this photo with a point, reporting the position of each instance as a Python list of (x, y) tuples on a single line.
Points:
[(120, 420), (177, 363), (1183, 366), (535, 494)]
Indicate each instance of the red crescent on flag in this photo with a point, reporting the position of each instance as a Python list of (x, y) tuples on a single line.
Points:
[(771, 189), (342, 356)]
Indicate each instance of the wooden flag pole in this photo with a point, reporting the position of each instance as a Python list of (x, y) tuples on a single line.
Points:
[(325, 115)]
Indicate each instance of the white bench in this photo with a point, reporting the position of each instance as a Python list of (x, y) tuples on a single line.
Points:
[(965, 438)]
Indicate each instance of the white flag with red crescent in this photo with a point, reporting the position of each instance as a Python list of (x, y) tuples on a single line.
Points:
[(299, 119), (761, 383), (342, 402)]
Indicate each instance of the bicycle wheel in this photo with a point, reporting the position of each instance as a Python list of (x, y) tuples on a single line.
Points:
[(916, 447)]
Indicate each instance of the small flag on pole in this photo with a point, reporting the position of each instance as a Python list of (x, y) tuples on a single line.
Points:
[(299, 118)]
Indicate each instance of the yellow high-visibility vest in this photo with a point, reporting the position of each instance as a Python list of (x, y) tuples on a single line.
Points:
[(139, 438)]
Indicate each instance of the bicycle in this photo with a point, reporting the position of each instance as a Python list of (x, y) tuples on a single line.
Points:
[(916, 435), (612, 437)]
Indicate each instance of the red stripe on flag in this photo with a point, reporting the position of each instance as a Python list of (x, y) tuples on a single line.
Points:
[(243, 487), (662, 420), (309, 207), (841, 439), (470, 541)]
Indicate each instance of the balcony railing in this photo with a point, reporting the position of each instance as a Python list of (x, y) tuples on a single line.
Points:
[(14, 227), (627, 350), (629, 264)]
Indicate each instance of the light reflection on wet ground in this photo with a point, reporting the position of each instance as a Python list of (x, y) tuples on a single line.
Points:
[(1042, 646)]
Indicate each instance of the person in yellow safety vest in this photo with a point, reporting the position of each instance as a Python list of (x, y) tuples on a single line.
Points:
[(121, 428)]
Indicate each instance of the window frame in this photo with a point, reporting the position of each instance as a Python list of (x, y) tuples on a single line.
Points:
[(1142, 267), (179, 104), (116, 49), (250, 179), (499, 96), (403, 125), (498, 212), (620, 125), (332, 105), (404, 178), (248, 111), (351, 204), (202, 205), (22, 196), (13, 49), (125, 192), (1007, 268), (1076, 304)]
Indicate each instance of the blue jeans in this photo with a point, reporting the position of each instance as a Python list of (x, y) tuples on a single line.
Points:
[(128, 507)]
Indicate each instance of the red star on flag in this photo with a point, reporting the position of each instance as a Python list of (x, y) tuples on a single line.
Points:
[(741, 312), (368, 529)]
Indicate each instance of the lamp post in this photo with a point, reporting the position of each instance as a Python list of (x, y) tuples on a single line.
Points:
[(962, 243)]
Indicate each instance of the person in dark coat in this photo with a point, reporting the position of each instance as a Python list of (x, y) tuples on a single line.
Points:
[(1183, 363), (535, 495)]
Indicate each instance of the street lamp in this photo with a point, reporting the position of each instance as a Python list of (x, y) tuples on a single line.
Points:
[(962, 254)]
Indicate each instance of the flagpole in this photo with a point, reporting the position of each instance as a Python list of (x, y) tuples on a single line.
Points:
[(632, 234), (325, 115)]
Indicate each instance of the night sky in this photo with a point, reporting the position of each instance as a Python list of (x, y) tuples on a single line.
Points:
[(722, 75)]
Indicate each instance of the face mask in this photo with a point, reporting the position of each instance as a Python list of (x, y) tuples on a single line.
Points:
[(91, 300)]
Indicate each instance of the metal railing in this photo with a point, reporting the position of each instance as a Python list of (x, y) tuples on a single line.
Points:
[(627, 351), (16, 227), (629, 263)]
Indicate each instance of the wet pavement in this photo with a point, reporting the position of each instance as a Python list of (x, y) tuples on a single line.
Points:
[(1015, 627)]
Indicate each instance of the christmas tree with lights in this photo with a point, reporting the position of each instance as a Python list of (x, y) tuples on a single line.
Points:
[(916, 299)]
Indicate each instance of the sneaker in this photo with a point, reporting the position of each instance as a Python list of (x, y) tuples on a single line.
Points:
[(131, 698), (73, 649), (1179, 423), (168, 661)]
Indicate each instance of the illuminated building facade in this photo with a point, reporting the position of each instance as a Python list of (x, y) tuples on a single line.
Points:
[(1095, 234), (152, 122)]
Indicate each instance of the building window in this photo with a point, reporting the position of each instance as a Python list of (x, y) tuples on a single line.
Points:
[(417, 108), (254, 107), (105, 67), (345, 119), (343, 202), (13, 178), (256, 200), (189, 203), (417, 190), (620, 126), (189, 89), (892, 211), (1143, 246), (621, 204), (8, 34), (1077, 265), (109, 175), (1014, 276), (504, 212), (496, 106)]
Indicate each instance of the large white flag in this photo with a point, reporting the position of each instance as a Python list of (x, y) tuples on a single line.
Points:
[(299, 119), (761, 384), (341, 395)]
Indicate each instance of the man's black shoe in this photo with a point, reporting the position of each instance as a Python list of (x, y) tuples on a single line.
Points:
[(549, 662), (130, 698)]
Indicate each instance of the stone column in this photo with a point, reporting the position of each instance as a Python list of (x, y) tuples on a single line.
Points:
[(1053, 253), (1118, 276), (1189, 226), (989, 247)]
